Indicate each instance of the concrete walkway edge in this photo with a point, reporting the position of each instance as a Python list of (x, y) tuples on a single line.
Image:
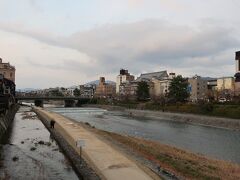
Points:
[(104, 159)]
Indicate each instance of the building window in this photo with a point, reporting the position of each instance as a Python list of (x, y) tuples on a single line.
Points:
[(11, 74)]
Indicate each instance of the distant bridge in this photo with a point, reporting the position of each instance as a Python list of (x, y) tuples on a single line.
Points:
[(19, 98), (69, 101)]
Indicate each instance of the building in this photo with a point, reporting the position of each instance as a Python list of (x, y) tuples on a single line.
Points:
[(225, 83), (70, 90), (160, 85), (128, 90), (123, 77), (237, 75), (105, 90), (198, 88), (7, 70), (212, 88), (225, 87), (159, 82), (87, 91), (149, 76), (212, 83)]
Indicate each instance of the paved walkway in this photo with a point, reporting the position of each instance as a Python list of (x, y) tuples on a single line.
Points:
[(108, 162)]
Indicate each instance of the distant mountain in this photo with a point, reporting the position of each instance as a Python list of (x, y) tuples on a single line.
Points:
[(96, 82), (74, 87), (209, 78)]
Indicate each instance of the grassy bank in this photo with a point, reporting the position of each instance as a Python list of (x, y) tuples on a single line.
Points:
[(219, 110), (210, 109), (177, 161)]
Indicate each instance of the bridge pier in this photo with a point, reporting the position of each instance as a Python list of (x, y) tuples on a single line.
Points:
[(82, 102), (69, 103), (38, 103)]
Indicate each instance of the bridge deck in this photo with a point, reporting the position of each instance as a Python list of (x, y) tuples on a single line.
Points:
[(51, 98)]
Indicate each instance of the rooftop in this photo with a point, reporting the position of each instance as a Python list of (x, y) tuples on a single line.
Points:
[(149, 76), (6, 65)]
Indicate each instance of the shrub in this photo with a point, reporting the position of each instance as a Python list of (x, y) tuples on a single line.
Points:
[(206, 107)]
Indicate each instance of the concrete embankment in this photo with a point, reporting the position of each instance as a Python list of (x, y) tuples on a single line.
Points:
[(233, 124), (80, 166), (106, 161), (6, 120)]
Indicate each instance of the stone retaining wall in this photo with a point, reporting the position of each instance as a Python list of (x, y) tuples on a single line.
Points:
[(6, 120)]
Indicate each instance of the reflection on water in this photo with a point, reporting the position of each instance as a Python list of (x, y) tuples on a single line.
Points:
[(214, 142), (31, 153)]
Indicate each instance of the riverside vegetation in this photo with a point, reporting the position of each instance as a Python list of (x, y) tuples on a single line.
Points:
[(227, 110)]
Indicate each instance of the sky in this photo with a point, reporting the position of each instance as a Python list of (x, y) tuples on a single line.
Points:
[(70, 42)]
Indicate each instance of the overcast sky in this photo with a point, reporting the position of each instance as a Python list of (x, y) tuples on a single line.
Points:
[(69, 42)]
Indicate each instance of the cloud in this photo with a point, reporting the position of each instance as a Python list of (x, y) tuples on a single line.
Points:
[(42, 65), (152, 42), (135, 3), (172, 5), (23, 29), (34, 4), (144, 46)]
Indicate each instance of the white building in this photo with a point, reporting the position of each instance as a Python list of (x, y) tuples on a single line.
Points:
[(160, 85), (225, 83), (70, 90)]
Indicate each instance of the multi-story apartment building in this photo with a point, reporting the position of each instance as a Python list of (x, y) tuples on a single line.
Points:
[(123, 77), (87, 91), (198, 88), (128, 90), (105, 90), (7, 70)]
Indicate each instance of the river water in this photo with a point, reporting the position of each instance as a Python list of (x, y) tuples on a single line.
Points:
[(29, 152), (213, 142)]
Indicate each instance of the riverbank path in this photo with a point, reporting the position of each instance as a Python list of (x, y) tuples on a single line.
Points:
[(109, 163)]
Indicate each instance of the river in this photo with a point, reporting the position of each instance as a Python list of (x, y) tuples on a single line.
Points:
[(213, 142), (29, 152)]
